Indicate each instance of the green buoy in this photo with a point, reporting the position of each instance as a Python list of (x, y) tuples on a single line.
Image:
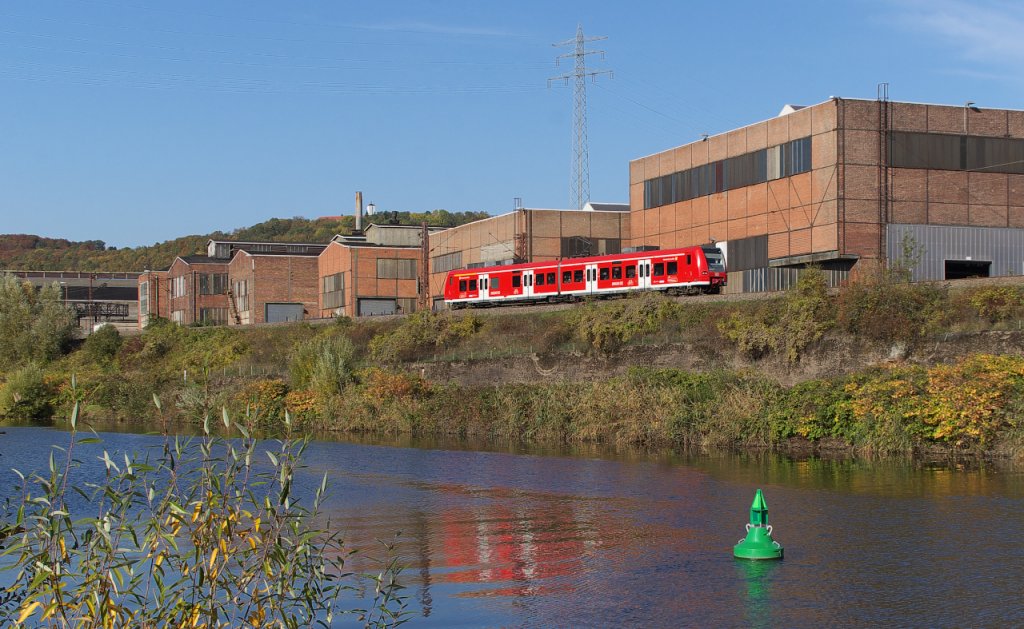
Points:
[(758, 544)]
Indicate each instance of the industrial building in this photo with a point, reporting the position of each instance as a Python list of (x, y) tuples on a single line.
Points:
[(94, 297), (844, 184)]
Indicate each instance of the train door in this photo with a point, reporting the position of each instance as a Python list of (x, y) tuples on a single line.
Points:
[(644, 273), (485, 281), (591, 273), (528, 283)]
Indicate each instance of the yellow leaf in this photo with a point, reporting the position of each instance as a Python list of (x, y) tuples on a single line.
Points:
[(213, 557), (159, 560), (25, 613)]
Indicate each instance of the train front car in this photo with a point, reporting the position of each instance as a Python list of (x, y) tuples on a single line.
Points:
[(461, 289), (713, 268)]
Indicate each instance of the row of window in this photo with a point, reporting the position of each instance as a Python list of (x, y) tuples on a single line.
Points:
[(956, 152), (213, 283), (396, 269), (446, 262), (214, 316), (776, 162)]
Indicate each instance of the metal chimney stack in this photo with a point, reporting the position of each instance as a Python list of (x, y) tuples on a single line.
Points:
[(359, 212)]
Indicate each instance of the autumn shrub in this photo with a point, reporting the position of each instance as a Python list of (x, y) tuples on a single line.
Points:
[(262, 401), (997, 303), (608, 326), (420, 333), (787, 326), (883, 307)]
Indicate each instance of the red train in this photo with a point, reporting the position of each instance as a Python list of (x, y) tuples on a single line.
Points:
[(676, 271)]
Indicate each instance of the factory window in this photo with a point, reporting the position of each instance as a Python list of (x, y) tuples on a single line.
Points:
[(938, 151), (332, 290), (178, 286), (144, 298), (396, 269), (213, 316), (447, 262), (784, 160), (213, 283), (241, 295)]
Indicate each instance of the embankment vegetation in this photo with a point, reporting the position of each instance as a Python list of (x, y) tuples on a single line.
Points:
[(388, 376)]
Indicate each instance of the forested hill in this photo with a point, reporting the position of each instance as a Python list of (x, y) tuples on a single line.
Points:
[(28, 252)]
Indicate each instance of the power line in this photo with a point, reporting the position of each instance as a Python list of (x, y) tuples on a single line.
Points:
[(580, 182)]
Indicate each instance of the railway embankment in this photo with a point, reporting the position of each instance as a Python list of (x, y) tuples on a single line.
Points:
[(881, 366)]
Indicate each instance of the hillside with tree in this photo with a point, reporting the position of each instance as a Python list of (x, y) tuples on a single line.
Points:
[(30, 252)]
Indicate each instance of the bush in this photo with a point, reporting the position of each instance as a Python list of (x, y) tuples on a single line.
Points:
[(607, 327), (34, 326), (422, 332), (997, 303), (324, 364), (26, 395), (102, 345), (792, 325), (883, 307)]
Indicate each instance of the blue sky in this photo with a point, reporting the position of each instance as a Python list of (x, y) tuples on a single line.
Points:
[(136, 122)]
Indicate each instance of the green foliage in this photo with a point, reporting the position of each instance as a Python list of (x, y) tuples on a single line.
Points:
[(26, 394), (790, 326), (607, 327), (420, 333), (102, 345), (34, 326), (324, 364), (196, 534)]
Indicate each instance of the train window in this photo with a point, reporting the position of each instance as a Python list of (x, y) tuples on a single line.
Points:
[(616, 272), (540, 279), (450, 279), (577, 275), (566, 277), (495, 283), (604, 273), (462, 285), (673, 267), (472, 285), (659, 269), (630, 272), (689, 259), (516, 281), (551, 278)]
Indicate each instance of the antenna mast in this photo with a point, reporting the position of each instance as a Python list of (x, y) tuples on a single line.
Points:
[(580, 184)]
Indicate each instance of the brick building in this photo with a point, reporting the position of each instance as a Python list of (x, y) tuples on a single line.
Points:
[(373, 274), (197, 290), (527, 235), (843, 184), (272, 287)]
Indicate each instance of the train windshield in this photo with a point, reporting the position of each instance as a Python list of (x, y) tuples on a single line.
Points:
[(716, 261)]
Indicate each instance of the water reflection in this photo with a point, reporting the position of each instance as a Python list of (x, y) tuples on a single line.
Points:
[(588, 538)]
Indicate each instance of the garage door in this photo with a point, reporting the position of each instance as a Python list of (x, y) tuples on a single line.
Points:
[(376, 307), (276, 313)]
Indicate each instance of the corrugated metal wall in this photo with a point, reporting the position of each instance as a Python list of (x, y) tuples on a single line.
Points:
[(1002, 246), (776, 279)]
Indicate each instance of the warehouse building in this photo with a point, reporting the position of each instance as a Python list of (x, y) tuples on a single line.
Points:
[(845, 184)]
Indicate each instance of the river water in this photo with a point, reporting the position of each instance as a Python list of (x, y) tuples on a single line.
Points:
[(503, 539)]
